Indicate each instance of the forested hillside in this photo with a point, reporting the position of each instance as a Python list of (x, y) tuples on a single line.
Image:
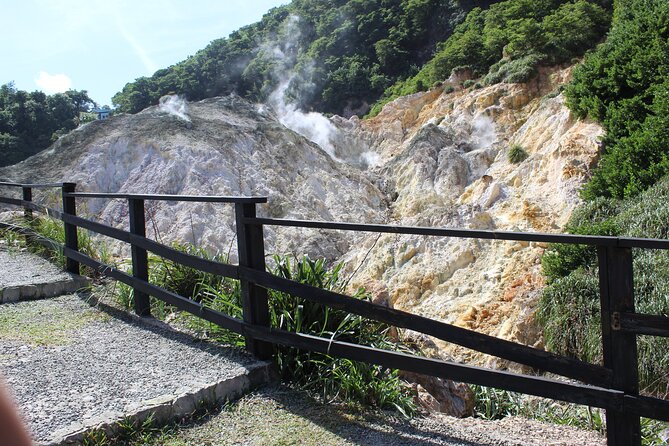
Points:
[(343, 52), (343, 56), (30, 122)]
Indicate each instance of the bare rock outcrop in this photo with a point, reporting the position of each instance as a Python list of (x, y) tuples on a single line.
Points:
[(444, 163), (224, 146), (436, 159)]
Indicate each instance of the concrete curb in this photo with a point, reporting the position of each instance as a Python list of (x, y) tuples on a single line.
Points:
[(168, 407), (43, 290)]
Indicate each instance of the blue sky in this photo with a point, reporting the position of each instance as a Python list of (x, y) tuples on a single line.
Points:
[(99, 46)]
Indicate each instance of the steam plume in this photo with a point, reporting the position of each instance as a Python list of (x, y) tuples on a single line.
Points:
[(175, 106)]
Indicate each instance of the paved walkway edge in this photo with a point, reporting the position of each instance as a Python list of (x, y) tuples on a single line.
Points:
[(169, 407), (43, 290)]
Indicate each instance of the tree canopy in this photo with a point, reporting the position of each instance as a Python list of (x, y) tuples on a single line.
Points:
[(345, 55), (342, 54), (624, 84), (30, 122), (509, 40)]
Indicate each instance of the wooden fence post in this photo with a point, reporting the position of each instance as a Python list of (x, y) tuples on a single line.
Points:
[(71, 239), (619, 348), (140, 260), (27, 196), (27, 212), (251, 249)]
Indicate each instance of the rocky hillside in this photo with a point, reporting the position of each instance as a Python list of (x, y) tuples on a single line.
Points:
[(444, 162), (223, 146), (438, 158)]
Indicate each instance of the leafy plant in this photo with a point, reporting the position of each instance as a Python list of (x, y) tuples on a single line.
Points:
[(623, 84), (517, 154), (339, 379), (335, 378)]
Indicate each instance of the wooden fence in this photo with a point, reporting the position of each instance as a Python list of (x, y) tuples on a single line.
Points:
[(613, 386)]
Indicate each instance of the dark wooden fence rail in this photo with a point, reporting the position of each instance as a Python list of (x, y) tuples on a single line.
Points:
[(613, 386)]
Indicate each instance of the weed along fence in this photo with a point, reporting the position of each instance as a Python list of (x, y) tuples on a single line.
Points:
[(613, 386)]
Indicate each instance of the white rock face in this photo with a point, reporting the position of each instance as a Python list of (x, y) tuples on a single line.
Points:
[(430, 159), (230, 147)]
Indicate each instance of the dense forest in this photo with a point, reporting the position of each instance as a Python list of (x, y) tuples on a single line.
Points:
[(343, 56), (342, 53), (30, 122)]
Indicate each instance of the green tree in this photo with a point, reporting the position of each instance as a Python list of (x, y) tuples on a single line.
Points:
[(30, 122), (623, 85)]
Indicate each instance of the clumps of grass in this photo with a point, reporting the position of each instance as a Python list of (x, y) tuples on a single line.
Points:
[(513, 71), (495, 404), (130, 432), (351, 382), (53, 230), (568, 310), (517, 154)]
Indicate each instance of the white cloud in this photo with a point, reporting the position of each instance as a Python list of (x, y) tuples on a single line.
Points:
[(53, 83)]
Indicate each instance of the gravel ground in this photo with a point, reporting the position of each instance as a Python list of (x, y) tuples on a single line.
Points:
[(281, 416), (23, 268), (66, 362)]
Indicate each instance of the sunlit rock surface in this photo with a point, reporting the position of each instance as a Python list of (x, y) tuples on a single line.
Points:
[(229, 147), (444, 163)]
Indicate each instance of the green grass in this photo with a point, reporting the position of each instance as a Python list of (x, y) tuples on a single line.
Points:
[(517, 154), (569, 307), (53, 230), (43, 325), (494, 404)]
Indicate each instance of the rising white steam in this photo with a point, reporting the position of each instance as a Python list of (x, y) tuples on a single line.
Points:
[(175, 105), (370, 159), (483, 132), (313, 126)]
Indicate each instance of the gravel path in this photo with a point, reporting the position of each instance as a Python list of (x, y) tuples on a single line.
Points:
[(66, 362), (277, 415), (24, 268)]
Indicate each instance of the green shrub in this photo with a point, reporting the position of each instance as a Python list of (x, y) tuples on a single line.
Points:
[(509, 40), (186, 281), (569, 306), (624, 85), (517, 154), (349, 381), (513, 71), (449, 89), (468, 83)]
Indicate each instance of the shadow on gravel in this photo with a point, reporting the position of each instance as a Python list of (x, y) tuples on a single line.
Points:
[(363, 429), (360, 429), (158, 327)]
